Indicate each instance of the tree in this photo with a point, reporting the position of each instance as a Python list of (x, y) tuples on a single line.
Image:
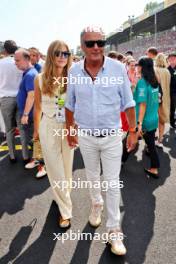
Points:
[(150, 6)]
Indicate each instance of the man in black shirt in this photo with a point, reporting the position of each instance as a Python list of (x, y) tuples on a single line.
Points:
[(172, 70)]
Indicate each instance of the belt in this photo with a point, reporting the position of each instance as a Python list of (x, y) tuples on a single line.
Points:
[(101, 135)]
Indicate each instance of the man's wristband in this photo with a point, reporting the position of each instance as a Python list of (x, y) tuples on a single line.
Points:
[(133, 129)]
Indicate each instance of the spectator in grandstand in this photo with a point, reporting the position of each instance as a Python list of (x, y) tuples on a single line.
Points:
[(163, 77), (146, 97), (25, 99), (49, 118), (35, 57), (129, 53), (10, 78), (112, 54), (96, 110), (152, 53), (172, 70)]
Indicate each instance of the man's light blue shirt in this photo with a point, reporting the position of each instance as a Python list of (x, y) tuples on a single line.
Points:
[(97, 104)]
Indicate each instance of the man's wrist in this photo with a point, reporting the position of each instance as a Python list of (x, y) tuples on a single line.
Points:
[(71, 126), (25, 114), (133, 129)]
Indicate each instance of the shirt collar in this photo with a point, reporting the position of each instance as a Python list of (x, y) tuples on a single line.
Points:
[(82, 64), (27, 70)]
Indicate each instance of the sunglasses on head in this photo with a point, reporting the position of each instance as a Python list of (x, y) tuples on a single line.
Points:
[(59, 53), (91, 43)]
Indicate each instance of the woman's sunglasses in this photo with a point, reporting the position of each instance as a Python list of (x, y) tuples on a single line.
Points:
[(63, 54), (91, 43)]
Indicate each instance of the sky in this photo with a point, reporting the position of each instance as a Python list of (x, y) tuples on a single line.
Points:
[(38, 22)]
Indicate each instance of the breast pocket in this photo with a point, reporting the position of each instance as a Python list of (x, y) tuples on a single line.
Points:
[(109, 105), (109, 95), (83, 92)]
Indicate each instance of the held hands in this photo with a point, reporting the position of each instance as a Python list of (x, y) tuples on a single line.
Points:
[(72, 137), (72, 141)]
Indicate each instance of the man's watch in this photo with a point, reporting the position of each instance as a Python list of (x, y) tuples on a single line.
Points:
[(139, 123), (25, 114), (133, 129)]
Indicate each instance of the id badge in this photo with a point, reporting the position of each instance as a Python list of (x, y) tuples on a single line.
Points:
[(60, 111)]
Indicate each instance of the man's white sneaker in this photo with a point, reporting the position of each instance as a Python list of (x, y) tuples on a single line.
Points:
[(41, 172), (95, 215), (116, 242), (32, 164)]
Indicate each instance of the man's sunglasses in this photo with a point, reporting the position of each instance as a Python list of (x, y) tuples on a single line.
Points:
[(64, 54), (91, 43)]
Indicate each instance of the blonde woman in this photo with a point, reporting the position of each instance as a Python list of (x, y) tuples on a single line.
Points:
[(163, 76), (132, 73), (49, 122)]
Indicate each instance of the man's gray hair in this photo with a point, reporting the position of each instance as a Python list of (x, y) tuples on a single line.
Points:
[(91, 29), (25, 53)]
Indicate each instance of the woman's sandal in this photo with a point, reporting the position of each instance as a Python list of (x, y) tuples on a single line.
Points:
[(64, 223)]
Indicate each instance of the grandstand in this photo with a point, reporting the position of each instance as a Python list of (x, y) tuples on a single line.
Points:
[(156, 27)]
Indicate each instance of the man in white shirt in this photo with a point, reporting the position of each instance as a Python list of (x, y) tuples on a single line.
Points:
[(10, 78), (94, 105)]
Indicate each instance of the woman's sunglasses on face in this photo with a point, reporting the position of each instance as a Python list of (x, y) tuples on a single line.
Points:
[(62, 54), (91, 43)]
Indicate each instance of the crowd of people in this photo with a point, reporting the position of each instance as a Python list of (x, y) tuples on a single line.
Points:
[(114, 101), (165, 42)]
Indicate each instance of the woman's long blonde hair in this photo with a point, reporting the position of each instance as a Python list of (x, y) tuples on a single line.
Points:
[(49, 86), (161, 61)]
